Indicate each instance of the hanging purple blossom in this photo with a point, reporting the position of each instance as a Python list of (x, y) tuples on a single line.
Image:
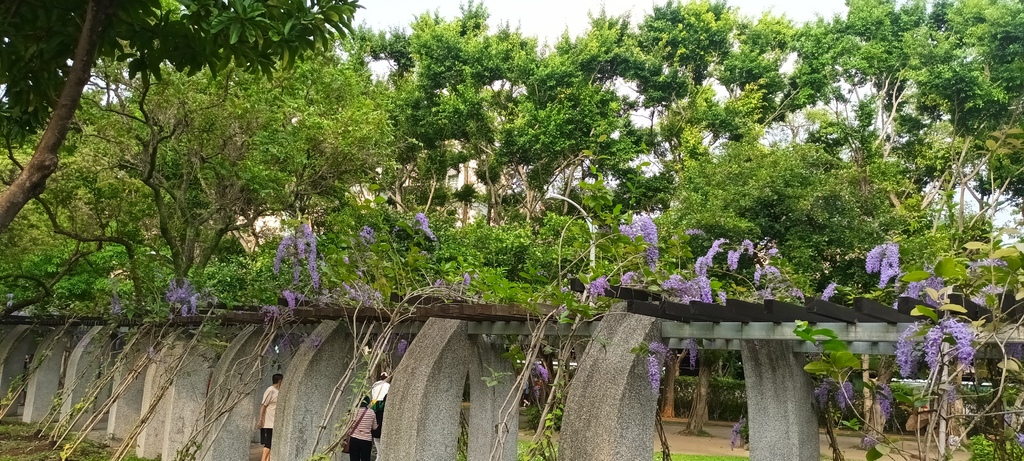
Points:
[(797, 293), (990, 262), (990, 290), (690, 345), (269, 314), (654, 371), (869, 442), (643, 226), (722, 298), (736, 430), (684, 290), (424, 225), (599, 287), (733, 259), (694, 232), (884, 259), (963, 334), (540, 371), (906, 354), (844, 396), (401, 347), (1015, 350), (367, 236), (466, 279), (183, 297), (747, 247), (1020, 439), (282, 251), (933, 346), (299, 247), (629, 278), (951, 394), (361, 293), (704, 262), (821, 392), (658, 349), (829, 292), (291, 298), (884, 397), (704, 284), (115, 304)]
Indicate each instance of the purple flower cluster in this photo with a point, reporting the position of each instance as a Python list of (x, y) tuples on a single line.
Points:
[(1020, 439), (643, 226), (361, 293), (797, 293), (906, 355), (183, 297), (829, 292), (300, 249), (466, 279), (599, 287), (292, 299), (629, 278), (869, 442), (974, 266), (884, 397), (367, 236), (654, 371), (963, 334), (844, 396), (401, 347), (690, 345), (704, 262), (1015, 350), (990, 290), (736, 429), (722, 298), (733, 259), (424, 225), (766, 272), (684, 290), (821, 392), (694, 232), (540, 371), (884, 260), (933, 346), (270, 313)]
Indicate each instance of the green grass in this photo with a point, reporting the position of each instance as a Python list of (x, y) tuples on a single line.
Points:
[(19, 443)]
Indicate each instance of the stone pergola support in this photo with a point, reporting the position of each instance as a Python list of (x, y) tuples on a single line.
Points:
[(17, 343), (233, 407), (186, 399), (306, 391), (782, 421), (421, 420), (126, 408), (150, 441), (88, 359), (610, 408), (45, 376), (488, 404)]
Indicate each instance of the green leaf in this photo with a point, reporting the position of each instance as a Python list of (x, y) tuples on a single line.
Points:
[(877, 452), (1004, 252), (975, 245), (916, 276), (953, 308), (818, 367), (948, 268), (925, 311)]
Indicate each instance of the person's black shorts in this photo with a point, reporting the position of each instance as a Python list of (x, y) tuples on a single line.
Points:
[(266, 436)]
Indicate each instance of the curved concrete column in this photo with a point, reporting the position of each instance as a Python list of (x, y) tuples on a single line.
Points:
[(610, 409), (231, 408), (781, 416), (45, 376), (126, 409), (16, 344), (186, 399), (87, 360), (486, 402), (306, 392), (422, 416)]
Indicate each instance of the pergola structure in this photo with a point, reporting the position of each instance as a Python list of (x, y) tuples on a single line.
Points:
[(609, 412)]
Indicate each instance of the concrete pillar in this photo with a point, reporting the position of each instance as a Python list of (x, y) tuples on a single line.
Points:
[(610, 408), (488, 402), (150, 442), (88, 360), (186, 399), (781, 416), (422, 415), (45, 377), (232, 410), (17, 343), (306, 394), (127, 408)]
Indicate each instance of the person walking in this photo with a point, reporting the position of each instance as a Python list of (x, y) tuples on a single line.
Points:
[(361, 438), (267, 411), (378, 394)]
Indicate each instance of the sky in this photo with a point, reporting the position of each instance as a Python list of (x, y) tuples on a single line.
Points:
[(547, 19)]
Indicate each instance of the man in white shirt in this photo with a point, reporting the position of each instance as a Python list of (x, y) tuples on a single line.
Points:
[(267, 410), (378, 392)]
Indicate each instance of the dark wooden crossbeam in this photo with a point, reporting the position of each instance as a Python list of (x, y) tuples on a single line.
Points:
[(836, 312), (881, 312), (754, 312), (786, 312)]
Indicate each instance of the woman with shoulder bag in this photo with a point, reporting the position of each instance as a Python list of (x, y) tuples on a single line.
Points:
[(360, 439)]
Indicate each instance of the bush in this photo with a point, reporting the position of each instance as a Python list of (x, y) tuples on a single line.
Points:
[(532, 414), (727, 400), (983, 449)]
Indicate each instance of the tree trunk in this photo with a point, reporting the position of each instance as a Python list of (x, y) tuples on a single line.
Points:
[(699, 408), (31, 182), (668, 396)]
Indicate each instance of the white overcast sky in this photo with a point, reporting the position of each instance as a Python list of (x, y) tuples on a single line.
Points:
[(547, 19)]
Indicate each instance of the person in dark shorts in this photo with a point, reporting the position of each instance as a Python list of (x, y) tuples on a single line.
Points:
[(267, 410)]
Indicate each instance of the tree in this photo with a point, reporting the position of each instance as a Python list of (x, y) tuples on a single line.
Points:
[(39, 40)]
